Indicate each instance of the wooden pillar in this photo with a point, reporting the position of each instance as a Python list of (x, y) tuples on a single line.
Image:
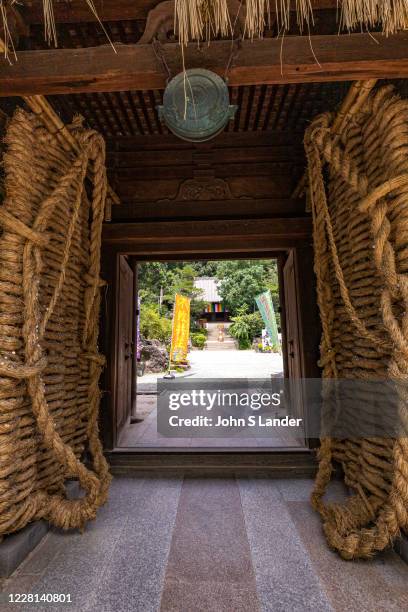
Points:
[(309, 314), (282, 310), (133, 414)]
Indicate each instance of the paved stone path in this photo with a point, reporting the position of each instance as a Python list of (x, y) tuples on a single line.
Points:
[(206, 365), (175, 543), (228, 364), (235, 364)]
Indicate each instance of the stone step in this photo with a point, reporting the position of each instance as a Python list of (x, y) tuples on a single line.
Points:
[(220, 346)]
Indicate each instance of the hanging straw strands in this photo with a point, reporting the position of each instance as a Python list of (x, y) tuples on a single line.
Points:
[(50, 28), (195, 19), (255, 21), (304, 14), (8, 39), (199, 20), (368, 14)]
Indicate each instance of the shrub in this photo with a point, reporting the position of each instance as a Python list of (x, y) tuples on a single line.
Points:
[(245, 327), (153, 326), (240, 329), (244, 344), (198, 340), (256, 324), (198, 330)]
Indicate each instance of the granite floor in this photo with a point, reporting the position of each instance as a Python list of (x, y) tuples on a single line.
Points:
[(168, 542)]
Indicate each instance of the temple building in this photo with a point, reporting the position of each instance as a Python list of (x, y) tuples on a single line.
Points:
[(214, 308)]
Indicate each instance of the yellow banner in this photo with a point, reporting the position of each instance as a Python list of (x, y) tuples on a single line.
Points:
[(181, 329)]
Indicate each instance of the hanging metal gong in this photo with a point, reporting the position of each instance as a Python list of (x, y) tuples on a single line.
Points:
[(196, 105)]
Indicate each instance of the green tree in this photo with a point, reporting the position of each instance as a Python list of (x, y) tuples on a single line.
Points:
[(246, 326), (241, 281), (205, 268), (152, 277), (182, 282)]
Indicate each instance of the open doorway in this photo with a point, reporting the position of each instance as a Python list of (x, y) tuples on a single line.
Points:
[(229, 339)]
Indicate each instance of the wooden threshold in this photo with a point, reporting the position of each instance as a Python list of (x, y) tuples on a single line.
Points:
[(280, 464)]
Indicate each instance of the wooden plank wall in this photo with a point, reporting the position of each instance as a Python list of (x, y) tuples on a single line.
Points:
[(234, 176)]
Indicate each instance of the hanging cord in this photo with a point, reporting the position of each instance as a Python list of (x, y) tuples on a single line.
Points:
[(236, 47), (158, 50)]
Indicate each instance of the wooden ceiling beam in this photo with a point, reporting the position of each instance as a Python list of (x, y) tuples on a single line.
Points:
[(136, 67), (169, 142), (177, 233), (234, 155), (77, 11)]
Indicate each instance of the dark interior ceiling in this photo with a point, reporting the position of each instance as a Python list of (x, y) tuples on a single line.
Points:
[(125, 22), (131, 113), (261, 108), (259, 156)]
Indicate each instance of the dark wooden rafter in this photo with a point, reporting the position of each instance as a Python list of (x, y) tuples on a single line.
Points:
[(236, 209), (281, 140), (136, 112), (151, 232), (268, 106), (222, 156), (206, 237), (346, 57)]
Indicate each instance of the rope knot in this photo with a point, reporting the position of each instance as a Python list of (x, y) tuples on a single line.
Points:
[(95, 357), (21, 371), (91, 281), (10, 223)]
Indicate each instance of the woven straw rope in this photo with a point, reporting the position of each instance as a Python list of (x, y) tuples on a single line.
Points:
[(49, 307), (361, 264)]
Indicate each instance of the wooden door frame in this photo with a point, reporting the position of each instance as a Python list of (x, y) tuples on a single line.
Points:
[(186, 240), (109, 341)]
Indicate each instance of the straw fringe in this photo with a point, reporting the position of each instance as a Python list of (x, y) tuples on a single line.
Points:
[(391, 14), (8, 39), (50, 29), (199, 20), (203, 19)]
